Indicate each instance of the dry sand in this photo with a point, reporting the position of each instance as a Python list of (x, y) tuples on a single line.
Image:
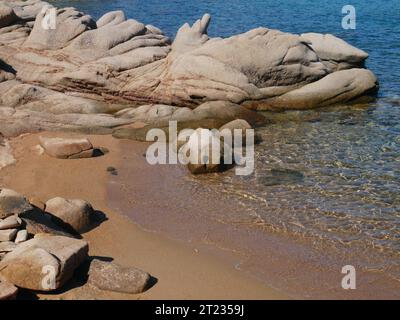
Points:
[(182, 272)]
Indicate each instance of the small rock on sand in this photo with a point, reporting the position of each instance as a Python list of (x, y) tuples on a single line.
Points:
[(110, 276), (74, 213)]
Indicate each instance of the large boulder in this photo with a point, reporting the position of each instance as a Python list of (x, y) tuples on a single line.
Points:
[(76, 214), (12, 203), (44, 263), (110, 276)]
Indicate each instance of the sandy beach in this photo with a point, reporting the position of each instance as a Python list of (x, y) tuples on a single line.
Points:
[(182, 272)]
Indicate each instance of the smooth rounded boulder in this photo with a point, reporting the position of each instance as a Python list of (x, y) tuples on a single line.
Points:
[(76, 214)]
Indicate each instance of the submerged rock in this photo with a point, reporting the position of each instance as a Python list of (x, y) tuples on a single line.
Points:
[(22, 236), (282, 177)]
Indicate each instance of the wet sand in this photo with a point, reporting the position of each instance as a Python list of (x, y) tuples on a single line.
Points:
[(167, 200), (182, 270)]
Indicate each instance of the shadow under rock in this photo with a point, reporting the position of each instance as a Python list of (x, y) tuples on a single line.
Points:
[(7, 68)]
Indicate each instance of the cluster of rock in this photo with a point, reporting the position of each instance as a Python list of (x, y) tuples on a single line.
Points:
[(40, 249), (101, 76)]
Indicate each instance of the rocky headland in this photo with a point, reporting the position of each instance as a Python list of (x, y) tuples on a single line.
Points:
[(105, 76)]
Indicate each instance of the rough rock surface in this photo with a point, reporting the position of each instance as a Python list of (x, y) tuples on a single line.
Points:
[(38, 222), (81, 74), (238, 124), (10, 222), (64, 148), (335, 53), (22, 236), (12, 203), (6, 156), (23, 267), (7, 290), (7, 15), (8, 235), (7, 246), (110, 276), (76, 213)]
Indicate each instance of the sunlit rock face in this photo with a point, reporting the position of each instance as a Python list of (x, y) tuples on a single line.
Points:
[(98, 68)]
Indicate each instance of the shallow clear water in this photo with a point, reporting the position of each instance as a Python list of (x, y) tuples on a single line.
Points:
[(331, 174)]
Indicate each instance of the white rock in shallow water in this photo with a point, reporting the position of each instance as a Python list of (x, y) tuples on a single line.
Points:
[(22, 236), (8, 235), (10, 223), (7, 15)]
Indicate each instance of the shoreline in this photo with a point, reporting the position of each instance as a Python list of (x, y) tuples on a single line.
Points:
[(181, 271), (167, 200), (191, 256)]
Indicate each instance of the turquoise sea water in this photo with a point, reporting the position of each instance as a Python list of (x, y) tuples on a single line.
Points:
[(331, 174)]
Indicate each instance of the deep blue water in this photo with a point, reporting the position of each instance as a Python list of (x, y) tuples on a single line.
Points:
[(377, 31)]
